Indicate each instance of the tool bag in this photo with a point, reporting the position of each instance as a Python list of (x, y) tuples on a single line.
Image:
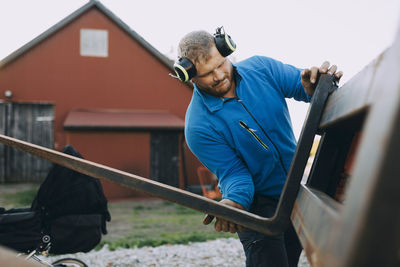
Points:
[(69, 207)]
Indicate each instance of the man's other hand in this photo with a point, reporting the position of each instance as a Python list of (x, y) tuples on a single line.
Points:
[(224, 225), (309, 76)]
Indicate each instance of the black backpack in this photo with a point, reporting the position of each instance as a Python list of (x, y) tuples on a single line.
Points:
[(67, 192), (73, 207), (69, 207)]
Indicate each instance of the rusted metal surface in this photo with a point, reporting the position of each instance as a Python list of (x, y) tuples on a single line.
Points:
[(270, 226), (364, 230), (314, 215), (369, 234)]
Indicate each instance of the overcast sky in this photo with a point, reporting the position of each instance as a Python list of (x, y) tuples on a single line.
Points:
[(302, 33)]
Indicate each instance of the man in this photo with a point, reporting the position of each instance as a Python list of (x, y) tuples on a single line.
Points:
[(238, 125)]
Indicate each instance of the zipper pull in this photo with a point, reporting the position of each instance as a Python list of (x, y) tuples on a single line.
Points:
[(252, 132), (244, 125)]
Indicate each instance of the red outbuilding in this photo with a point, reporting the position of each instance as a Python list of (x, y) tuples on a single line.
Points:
[(92, 82)]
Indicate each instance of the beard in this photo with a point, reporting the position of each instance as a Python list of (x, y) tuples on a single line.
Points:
[(216, 90)]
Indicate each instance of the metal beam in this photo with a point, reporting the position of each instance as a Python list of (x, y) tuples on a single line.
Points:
[(270, 226), (136, 182)]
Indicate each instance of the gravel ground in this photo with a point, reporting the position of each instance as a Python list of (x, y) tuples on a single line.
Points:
[(221, 252)]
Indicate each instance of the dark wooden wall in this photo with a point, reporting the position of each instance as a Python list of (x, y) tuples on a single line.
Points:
[(164, 157), (31, 122)]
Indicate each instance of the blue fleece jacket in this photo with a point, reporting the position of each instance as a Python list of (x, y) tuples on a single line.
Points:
[(247, 141)]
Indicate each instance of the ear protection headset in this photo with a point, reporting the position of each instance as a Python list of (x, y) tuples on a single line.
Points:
[(186, 70)]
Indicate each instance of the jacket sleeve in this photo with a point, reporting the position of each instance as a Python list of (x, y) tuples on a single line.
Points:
[(287, 78), (234, 179)]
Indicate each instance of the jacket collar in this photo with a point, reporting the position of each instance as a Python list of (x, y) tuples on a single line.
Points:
[(214, 103)]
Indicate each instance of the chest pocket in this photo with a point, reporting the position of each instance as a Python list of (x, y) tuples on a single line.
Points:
[(253, 133)]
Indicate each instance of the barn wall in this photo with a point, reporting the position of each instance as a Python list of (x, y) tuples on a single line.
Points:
[(126, 151), (129, 78)]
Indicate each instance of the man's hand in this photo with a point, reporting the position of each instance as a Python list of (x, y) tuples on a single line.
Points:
[(224, 225), (309, 76)]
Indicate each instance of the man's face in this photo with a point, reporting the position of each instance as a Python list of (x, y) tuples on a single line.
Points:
[(215, 76)]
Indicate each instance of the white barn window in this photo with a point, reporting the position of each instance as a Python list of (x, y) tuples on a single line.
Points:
[(94, 43)]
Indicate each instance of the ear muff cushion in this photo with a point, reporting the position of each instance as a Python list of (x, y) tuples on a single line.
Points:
[(185, 69), (230, 43), (224, 44)]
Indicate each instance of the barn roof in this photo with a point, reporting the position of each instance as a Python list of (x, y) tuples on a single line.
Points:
[(162, 58), (122, 120)]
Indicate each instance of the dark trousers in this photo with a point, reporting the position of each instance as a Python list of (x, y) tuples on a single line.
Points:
[(271, 251)]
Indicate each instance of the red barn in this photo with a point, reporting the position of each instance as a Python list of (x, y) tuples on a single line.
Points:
[(102, 88)]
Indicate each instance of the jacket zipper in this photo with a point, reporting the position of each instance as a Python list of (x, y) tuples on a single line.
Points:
[(273, 144), (252, 132)]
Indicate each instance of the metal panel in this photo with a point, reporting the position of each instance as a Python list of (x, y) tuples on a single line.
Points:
[(313, 217), (364, 230), (372, 215)]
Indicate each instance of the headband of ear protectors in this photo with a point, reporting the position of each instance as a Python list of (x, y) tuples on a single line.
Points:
[(185, 69)]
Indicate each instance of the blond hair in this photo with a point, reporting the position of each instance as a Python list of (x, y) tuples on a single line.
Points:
[(196, 46)]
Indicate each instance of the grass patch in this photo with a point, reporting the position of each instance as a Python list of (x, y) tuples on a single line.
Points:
[(138, 223), (155, 223), (20, 199)]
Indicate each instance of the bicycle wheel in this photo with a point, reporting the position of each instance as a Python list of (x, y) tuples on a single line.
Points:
[(69, 262)]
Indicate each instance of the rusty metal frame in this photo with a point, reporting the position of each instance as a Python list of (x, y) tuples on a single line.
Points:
[(364, 230), (270, 226)]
